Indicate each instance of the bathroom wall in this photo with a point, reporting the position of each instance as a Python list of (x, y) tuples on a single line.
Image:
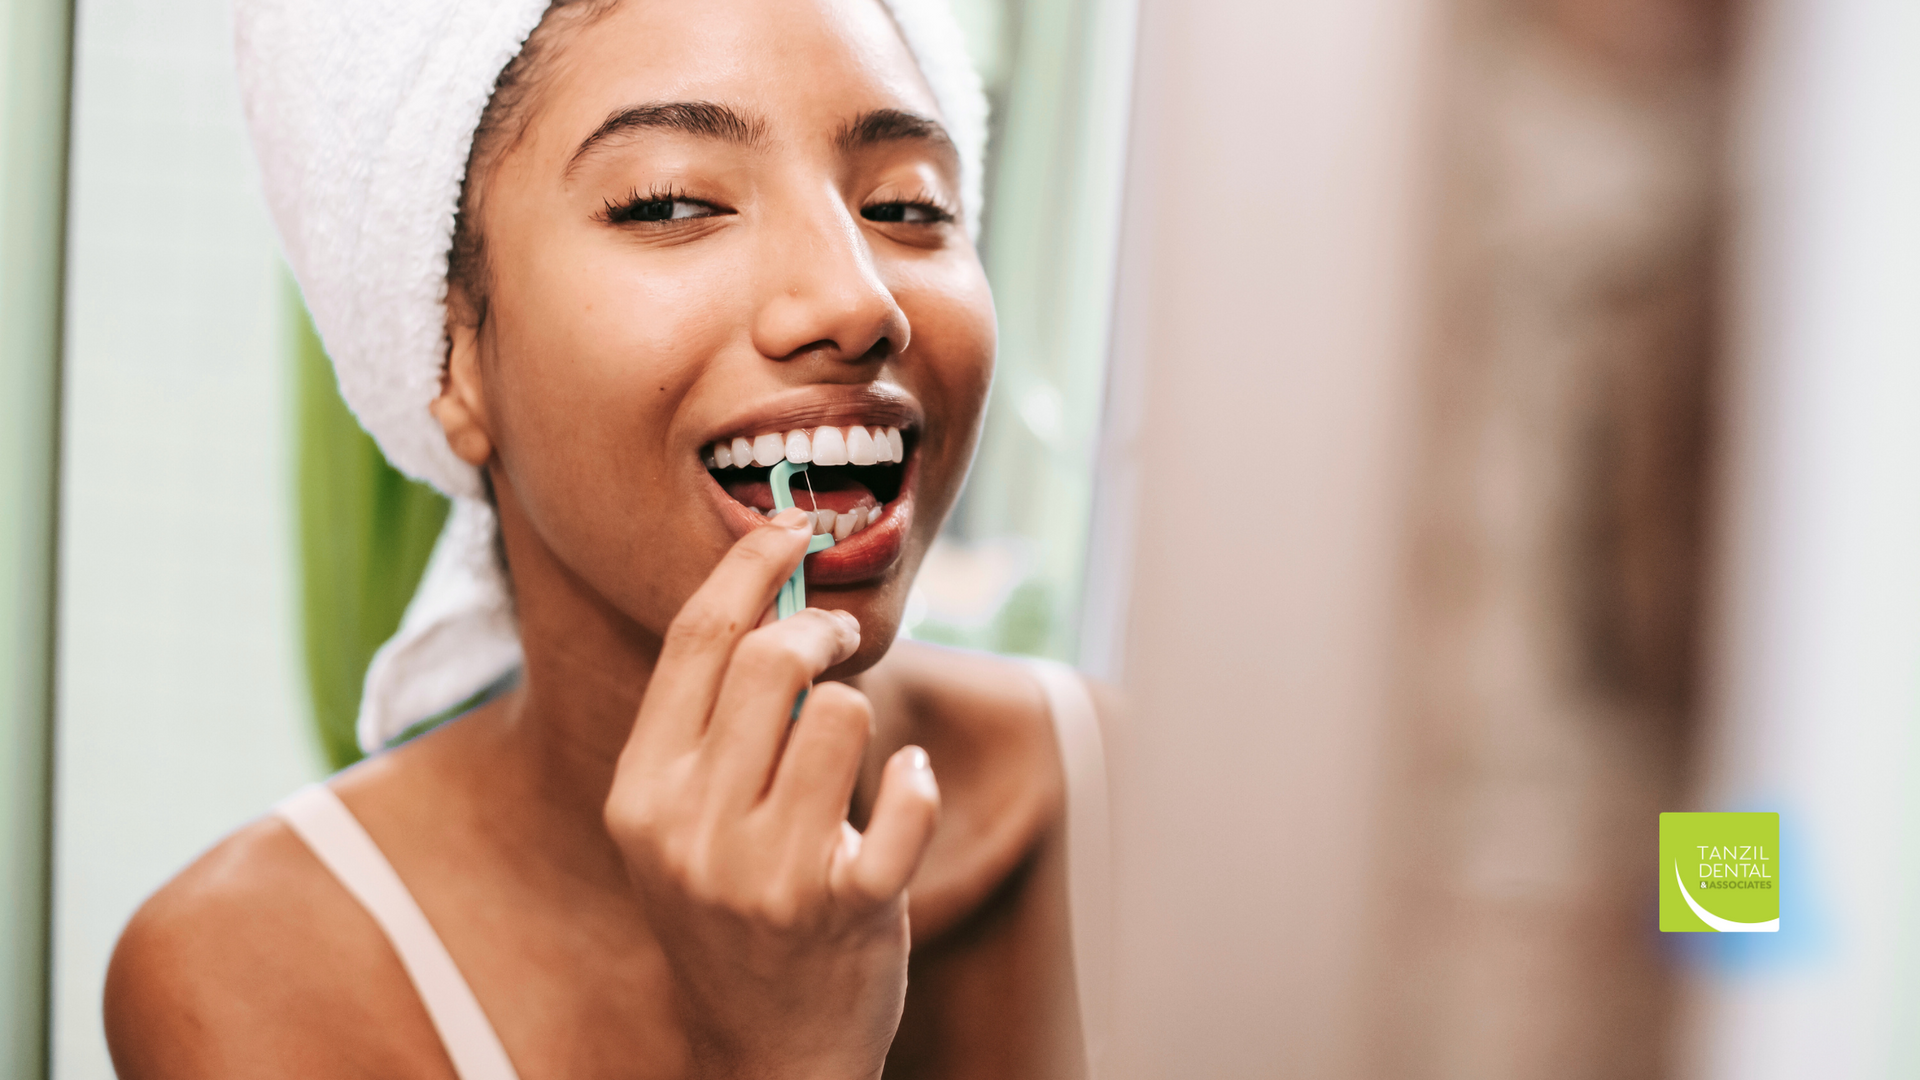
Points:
[(179, 703)]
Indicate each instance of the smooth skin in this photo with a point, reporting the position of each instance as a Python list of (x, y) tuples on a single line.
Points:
[(641, 869)]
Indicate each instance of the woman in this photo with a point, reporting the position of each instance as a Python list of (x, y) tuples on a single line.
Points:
[(691, 239)]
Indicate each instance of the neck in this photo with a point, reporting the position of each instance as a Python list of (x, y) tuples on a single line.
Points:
[(587, 667)]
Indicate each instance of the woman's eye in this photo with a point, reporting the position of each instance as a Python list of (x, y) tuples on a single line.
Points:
[(663, 210), (910, 213)]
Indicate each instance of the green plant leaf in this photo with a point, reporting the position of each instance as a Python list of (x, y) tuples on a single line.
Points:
[(365, 532)]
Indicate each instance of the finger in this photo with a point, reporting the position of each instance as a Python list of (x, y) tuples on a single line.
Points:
[(815, 777), (904, 815), (755, 707), (701, 639)]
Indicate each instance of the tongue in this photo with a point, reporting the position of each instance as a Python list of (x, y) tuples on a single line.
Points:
[(829, 492)]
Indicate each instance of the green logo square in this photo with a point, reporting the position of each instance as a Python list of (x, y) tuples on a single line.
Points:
[(1720, 872)]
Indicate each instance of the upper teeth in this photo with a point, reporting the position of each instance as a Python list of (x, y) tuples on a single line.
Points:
[(853, 445)]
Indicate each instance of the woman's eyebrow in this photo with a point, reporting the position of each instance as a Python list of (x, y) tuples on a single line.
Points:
[(706, 119), (878, 126)]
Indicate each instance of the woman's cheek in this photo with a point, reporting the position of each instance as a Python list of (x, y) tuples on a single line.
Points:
[(950, 308)]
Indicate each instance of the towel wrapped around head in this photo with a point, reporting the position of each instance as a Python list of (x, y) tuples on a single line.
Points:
[(363, 113)]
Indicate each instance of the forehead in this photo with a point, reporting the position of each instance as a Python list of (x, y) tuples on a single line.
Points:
[(794, 62)]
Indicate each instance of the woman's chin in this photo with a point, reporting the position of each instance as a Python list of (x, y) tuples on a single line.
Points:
[(879, 625)]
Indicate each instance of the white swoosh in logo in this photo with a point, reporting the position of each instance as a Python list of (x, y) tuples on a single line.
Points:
[(1725, 926)]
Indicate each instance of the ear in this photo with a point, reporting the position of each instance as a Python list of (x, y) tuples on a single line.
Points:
[(461, 407)]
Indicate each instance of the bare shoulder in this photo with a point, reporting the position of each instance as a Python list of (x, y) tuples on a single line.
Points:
[(991, 991), (960, 685), (943, 694), (985, 724), (255, 962), (970, 711)]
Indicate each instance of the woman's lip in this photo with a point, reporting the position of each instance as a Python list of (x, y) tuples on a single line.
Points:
[(867, 553), (864, 555)]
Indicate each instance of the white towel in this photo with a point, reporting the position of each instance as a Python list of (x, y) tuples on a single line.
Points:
[(362, 113)]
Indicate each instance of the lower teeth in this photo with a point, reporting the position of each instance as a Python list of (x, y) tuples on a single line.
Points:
[(841, 524)]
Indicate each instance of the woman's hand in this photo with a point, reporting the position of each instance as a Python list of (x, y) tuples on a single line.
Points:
[(785, 928)]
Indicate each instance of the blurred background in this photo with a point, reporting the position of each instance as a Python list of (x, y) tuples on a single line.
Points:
[(1464, 429)]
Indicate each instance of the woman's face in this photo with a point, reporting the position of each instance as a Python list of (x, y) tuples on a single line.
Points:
[(727, 224)]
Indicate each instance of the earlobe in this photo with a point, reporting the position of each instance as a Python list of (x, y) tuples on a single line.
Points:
[(461, 407)]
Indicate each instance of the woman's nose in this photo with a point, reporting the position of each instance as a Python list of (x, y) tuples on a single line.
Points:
[(821, 293)]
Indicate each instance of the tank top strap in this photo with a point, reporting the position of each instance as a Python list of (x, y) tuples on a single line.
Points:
[(1089, 859), (337, 839)]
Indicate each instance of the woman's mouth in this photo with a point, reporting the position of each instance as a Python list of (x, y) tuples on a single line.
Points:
[(856, 489)]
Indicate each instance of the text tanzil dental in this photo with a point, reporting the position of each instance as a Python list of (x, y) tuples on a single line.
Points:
[(1735, 861)]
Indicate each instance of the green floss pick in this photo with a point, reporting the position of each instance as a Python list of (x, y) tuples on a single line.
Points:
[(793, 591), (793, 594)]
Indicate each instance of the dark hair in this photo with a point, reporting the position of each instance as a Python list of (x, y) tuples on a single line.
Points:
[(502, 124)]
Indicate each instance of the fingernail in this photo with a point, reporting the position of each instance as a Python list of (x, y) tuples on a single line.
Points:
[(920, 773), (793, 518)]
